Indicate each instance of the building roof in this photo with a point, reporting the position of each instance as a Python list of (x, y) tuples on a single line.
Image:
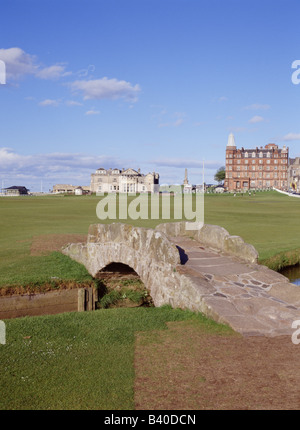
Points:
[(16, 187)]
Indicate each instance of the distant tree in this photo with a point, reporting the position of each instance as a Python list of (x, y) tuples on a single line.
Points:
[(220, 174)]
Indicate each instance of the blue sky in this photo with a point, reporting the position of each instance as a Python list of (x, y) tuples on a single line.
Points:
[(150, 84)]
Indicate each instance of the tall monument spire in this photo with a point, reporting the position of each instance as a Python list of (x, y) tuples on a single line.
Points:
[(231, 141), (186, 181)]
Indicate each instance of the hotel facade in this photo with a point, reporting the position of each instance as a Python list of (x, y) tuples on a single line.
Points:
[(256, 168)]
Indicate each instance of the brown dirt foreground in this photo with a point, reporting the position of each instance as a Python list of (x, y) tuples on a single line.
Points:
[(44, 244), (186, 368)]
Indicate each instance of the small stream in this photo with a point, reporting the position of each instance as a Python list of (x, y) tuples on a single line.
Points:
[(292, 273)]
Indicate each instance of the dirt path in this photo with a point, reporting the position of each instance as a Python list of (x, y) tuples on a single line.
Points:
[(44, 244), (184, 368)]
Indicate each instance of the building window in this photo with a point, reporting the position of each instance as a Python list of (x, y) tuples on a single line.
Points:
[(253, 154), (246, 154), (260, 155)]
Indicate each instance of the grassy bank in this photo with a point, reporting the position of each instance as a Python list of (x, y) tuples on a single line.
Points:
[(80, 360)]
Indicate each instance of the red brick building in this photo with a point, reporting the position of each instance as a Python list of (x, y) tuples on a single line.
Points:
[(258, 168)]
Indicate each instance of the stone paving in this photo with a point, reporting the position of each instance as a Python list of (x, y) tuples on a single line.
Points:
[(251, 298)]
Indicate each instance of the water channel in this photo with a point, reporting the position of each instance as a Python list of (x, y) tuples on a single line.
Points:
[(292, 273)]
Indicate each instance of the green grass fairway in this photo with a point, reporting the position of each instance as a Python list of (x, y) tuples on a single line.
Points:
[(80, 360), (270, 221)]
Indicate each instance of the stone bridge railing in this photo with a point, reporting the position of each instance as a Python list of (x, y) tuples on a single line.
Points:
[(214, 237)]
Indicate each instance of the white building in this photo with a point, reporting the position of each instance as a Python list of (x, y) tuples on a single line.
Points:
[(70, 189), (123, 181)]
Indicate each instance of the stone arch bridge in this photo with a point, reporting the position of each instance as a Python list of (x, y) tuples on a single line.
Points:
[(205, 270)]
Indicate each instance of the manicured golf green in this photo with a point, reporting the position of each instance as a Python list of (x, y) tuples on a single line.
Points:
[(268, 220)]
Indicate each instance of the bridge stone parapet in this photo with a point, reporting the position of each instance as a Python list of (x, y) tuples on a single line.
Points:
[(214, 237)]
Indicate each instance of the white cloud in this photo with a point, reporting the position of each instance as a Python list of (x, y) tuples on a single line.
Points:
[(57, 167), (53, 72), (255, 119), (83, 73), (291, 136), (73, 103), (257, 106), (49, 102), (104, 88), (93, 112), (18, 63)]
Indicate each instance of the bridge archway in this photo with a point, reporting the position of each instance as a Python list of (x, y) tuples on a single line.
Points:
[(120, 286), (148, 252), (117, 270)]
